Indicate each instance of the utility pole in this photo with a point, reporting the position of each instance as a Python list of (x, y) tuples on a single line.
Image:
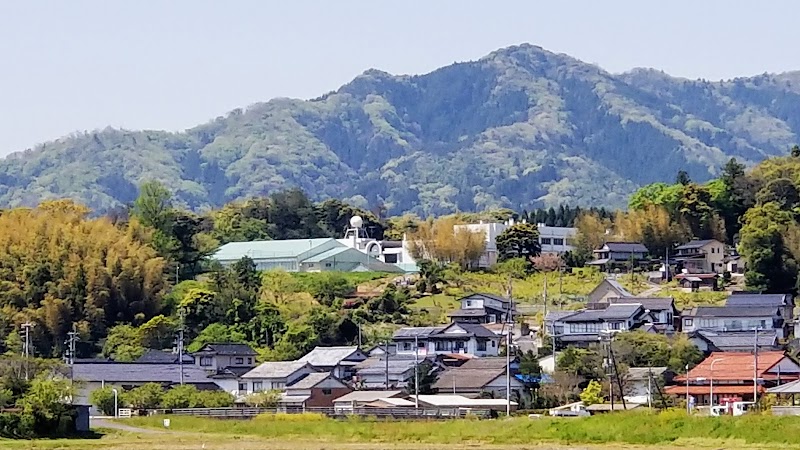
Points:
[(416, 372), (72, 337), (387, 364), (755, 365), (177, 273), (510, 322), (180, 343), (26, 349)]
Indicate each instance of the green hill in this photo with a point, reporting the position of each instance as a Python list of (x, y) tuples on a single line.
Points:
[(519, 128)]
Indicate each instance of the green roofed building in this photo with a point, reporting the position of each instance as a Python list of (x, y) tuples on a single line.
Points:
[(302, 255)]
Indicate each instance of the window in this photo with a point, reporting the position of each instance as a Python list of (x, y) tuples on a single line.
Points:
[(328, 265), (243, 387), (406, 347), (546, 241), (206, 361), (442, 346), (493, 344), (688, 322), (616, 325), (707, 323), (258, 386), (390, 258), (239, 361), (328, 392), (420, 344), (278, 385), (481, 346), (469, 303), (249, 360), (558, 241)]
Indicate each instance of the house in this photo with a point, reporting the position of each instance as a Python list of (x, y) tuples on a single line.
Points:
[(359, 399), (607, 289), (584, 328), (447, 401), (218, 356), (90, 376), (340, 361), (619, 254), (734, 318), (662, 309), (734, 341), (164, 357), (374, 372), (483, 308), (642, 382), (698, 281), (783, 301), (732, 376), (477, 379), (302, 255), (315, 390), (701, 256), (273, 375), (467, 338)]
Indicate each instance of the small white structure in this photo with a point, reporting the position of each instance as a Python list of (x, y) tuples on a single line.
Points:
[(390, 252)]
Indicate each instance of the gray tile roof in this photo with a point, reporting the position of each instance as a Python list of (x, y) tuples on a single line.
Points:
[(366, 396), (488, 362), (275, 369), (732, 311), (228, 349), (469, 312), (462, 378), (643, 373), (411, 332), (613, 312), (472, 329), (695, 244), (553, 316), (311, 380), (164, 357), (619, 288), (728, 339), (759, 300), (483, 295), (626, 247), (114, 372), (374, 366), (651, 303), (331, 356)]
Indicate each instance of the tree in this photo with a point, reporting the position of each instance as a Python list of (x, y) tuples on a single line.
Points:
[(146, 396), (771, 265), (327, 287), (683, 178), (581, 362), (123, 344), (47, 396), (202, 308), (520, 240), (158, 332), (153, 207), (529, 364), (547, 262), (446, 240), (592, 393), (183, 396), (795, 152), (214, 399), (278, 286), (427, 378), (264, 399)]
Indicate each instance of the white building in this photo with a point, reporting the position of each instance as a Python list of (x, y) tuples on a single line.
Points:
[(274, 375), (556, 239), (456, 338), (390, 252)]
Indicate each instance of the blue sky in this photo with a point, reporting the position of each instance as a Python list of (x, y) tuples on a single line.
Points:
[(82, 65)]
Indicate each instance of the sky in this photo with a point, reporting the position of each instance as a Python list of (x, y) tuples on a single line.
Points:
[(87, 64)]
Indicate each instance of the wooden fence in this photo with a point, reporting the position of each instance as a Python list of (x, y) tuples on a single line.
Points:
[(388, 413)]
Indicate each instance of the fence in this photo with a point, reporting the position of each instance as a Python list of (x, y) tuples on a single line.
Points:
[(387, 413)]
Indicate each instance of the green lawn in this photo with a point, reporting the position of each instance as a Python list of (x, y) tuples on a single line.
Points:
[(633, 428)]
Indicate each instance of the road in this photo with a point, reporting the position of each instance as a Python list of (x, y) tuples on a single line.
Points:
[(112, 425)]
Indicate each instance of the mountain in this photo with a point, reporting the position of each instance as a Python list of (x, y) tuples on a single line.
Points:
[(521, 127)]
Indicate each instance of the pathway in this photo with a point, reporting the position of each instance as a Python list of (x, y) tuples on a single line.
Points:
[(96, 422)]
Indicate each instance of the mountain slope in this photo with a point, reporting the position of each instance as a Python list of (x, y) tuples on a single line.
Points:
[(518, 128)]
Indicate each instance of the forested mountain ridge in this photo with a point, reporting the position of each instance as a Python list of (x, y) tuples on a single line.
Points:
[(519, 128)]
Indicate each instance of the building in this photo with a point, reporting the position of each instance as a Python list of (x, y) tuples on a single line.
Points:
[(734, 341), (556, 239), (225, 363), (584, 328), (340, 361), (302, 255), (734, 318), (390, 252), (359, 399), (476, 379), (607, 289), (483, 308), (641, 383), (450, 401), (661, 309), (701, 256), (698, 281), (315, 390), (619, 254), (90, 376), (273, 375), (783, 301), (732, 376), (374, 372), (466, 338), (490, 232)]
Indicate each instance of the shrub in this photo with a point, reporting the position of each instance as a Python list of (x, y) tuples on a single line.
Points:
[(213, 399), (103, 399), (265, 399), (592, 394), (184, 396), (280, 417), (16, 426), (146, 396)]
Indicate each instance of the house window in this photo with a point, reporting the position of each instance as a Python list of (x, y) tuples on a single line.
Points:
[(329, 392), (406, 346), (546, 241), (328, 265), (239, 361), (616, 325), (206, 361), (278, 385), (558, 241), (242, 387), (481, 346), (442, 346), (688, 322), (249, 360), (420, 344), (493, 344), (390, 258), (258, 386), (469, 303)]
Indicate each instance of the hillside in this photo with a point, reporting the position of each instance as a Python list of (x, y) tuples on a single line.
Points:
[(521, 127)]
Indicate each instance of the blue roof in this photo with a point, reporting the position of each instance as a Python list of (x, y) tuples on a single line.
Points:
[(327, 254), (287, 248)]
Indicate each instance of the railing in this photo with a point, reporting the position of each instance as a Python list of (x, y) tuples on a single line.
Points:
[(389, 413)]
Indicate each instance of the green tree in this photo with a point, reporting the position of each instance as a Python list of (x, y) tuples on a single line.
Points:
[(146, 396), (771, 266), (278, 286), (214, 399), (427, 378), (158, 332), (592, 394), (153, 207), (264, 399), (581, 362), (520, 240), (183, 396), (123, 344), (47, 396), (795, 152), (529, 364), (202, 308), (683, 178), (327, 287)]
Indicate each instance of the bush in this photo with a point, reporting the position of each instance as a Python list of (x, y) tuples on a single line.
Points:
[(265, 399), (280, 417), (146, 396), (184, 396), (213, 399), (16, 426), (103, 399)]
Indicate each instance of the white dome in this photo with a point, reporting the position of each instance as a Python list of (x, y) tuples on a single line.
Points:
[(356, 222)]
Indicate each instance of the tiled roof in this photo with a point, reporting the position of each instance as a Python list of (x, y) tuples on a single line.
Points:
[(651, 303), (329, 356), (489, 362), (721, 389), (695, 244), (469, 312), (376, 365), (626, 247), (759, 300), (643, 373), (483, 295), (164, 357), (366, 396), (310, 380), (729, 339), (616, 311), (114, 372), (411, 332), (228, 349), (554, 316), (732, 311), (463, 378), (275, 369), (733, 366), (619, 288)]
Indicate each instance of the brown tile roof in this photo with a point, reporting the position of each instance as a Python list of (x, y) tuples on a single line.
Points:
[(724, 389), (462, 378), (733, 366)]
